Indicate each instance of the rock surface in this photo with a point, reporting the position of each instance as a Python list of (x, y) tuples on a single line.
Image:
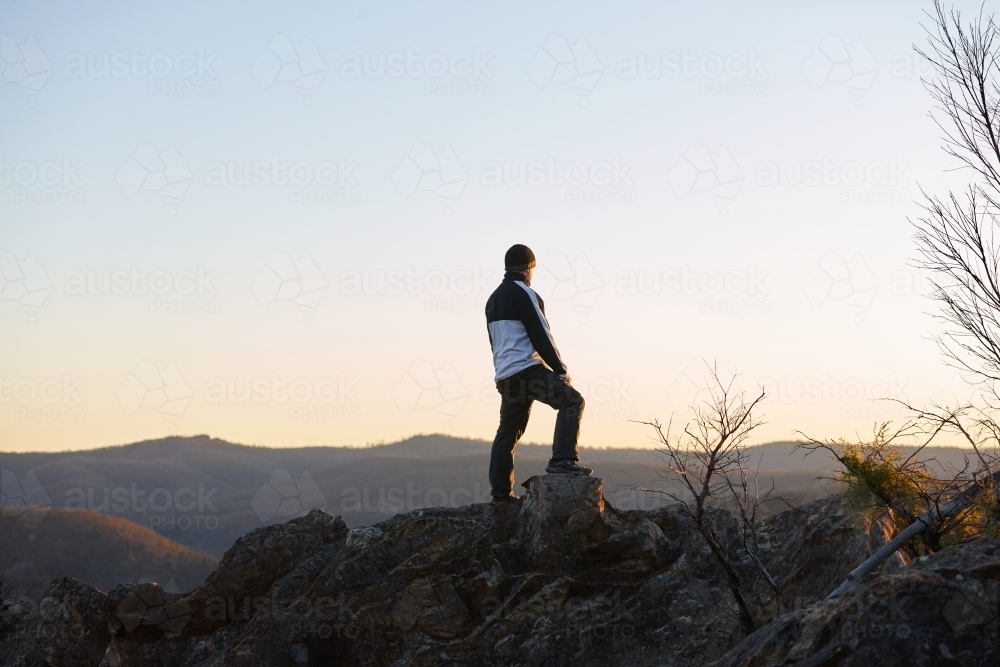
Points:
[(64, 629), (558, 578), (941, 610)]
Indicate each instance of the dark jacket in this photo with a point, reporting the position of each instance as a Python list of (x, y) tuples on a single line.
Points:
[(519, 333)]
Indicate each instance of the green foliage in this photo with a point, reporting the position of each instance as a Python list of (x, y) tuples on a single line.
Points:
[(882, 484), (983, 518), (878, 479)]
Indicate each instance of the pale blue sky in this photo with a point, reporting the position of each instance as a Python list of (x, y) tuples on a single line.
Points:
[(795, 109)]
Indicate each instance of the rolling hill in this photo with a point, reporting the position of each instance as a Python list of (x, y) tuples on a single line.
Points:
[(101, 549), (204, 493)]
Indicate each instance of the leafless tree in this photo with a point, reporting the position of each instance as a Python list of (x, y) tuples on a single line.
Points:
[(977, 428), (958, 235), (959, 245), (710, 460)]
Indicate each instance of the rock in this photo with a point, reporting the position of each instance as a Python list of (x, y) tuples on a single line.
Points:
[(147, 607), (941, 610), (810, 549), (269, 566), (359, 538), (255, 563), (64, 629), (558, 578), (570, 529)]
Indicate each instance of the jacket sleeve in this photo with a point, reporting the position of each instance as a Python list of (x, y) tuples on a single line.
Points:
[(490, 305), (532, 312)]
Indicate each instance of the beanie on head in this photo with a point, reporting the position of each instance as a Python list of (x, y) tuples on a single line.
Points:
[(519, 258)]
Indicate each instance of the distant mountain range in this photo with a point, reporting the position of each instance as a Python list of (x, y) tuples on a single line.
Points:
[(201, 493)]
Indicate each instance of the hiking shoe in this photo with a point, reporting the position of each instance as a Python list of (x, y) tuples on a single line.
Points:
[(496, 500), (566, 468)]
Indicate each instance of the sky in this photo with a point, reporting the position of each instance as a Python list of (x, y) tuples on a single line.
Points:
[(278, 223)]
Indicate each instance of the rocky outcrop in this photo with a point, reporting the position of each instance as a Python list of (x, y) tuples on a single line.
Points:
[(544, 580), (568, 528), (64, 628), (557, 578), (941, 610), (276, 560), (810, 549)]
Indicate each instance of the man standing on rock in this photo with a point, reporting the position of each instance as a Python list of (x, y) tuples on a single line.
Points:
[(528, 369)]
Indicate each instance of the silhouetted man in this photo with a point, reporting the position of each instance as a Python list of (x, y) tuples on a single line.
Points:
[(528, 369)]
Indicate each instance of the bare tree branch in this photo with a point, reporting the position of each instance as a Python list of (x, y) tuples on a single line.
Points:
[(709, 459), (957, 237)]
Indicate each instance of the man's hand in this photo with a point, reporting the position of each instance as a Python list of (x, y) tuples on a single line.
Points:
[(566, 378)]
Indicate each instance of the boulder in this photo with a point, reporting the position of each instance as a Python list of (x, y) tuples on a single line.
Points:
[(63, 629), (941, 610), (256, 563), (568, 528), (810, 549)]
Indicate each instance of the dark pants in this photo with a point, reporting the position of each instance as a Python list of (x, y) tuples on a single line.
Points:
[(517, 393)]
